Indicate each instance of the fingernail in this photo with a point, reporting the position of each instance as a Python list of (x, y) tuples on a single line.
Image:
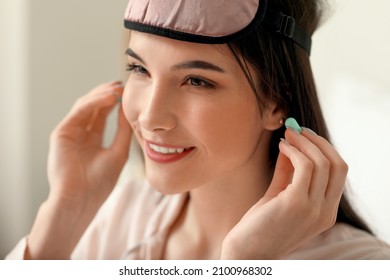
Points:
[(117, 95), (293, 124), (309, 130), (116, 82), (284, 141)]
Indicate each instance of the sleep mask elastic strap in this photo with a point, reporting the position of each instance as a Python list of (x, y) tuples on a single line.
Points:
[(286, 26), (210, 21)]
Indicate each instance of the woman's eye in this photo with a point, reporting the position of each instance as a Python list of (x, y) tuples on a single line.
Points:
[(198, 82), (138, 69)]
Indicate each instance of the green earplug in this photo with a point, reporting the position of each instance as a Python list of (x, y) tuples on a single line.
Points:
[(293, 124)]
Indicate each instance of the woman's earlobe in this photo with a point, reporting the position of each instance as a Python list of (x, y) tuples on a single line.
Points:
[(275, 124), (280, 123), (275, 120)]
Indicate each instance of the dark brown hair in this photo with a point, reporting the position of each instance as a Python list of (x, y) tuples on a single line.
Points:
[(285, 78)]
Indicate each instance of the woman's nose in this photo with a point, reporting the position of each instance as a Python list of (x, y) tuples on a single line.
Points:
[(158, 110)]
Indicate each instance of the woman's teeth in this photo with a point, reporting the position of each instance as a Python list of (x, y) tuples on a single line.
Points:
[(165, 150)]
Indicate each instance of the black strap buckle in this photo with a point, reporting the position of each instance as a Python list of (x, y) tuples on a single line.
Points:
[(286, 26)]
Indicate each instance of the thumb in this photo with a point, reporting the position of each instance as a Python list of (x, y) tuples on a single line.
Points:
[(283, 173)]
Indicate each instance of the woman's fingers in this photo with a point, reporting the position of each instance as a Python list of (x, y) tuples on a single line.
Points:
[(312, 154), (338, 168), (303, 168), (319, 163), (100, 97), (97, 124), (89, 113)]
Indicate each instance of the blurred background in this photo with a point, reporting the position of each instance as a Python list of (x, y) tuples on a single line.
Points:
[(52, 52)]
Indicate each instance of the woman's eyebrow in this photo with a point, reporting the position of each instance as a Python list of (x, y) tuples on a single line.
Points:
[(199, 64), (131, 53)]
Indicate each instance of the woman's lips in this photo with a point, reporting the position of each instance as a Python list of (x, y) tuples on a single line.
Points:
[(166, 153)]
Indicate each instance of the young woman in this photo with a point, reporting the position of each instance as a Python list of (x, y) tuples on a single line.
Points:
[(207, 98)]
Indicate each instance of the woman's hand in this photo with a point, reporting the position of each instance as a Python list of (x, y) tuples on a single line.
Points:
[(300, 203), (82, 173), (80, 169)]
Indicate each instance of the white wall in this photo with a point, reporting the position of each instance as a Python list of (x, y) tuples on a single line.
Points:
[(351, 62), (14, 154), (51, 52)]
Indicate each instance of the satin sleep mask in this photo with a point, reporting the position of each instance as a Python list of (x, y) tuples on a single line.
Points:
[(210, 21)]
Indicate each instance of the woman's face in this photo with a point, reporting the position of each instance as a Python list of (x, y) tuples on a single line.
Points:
[(192, 110)]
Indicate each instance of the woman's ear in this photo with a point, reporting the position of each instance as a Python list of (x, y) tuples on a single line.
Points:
[(273, 117)]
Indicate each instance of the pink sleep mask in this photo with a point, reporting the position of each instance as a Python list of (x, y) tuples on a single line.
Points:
[(210, 21)]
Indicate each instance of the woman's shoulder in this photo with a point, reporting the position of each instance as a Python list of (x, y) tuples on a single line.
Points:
[(343, 241)]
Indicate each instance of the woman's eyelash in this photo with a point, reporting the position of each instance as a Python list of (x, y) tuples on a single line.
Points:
[(193, 81), (136, 68), (199, 82)]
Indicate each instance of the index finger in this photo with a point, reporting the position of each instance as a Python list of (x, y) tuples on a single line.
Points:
[(84, 109), (338, 167)]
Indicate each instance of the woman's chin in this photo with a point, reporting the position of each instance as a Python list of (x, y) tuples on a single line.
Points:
[(167, 186)]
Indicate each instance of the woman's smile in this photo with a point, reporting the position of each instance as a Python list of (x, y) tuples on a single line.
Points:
[(163, 153)]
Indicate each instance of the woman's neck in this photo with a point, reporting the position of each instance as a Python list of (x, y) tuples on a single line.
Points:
[(214, 209)]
